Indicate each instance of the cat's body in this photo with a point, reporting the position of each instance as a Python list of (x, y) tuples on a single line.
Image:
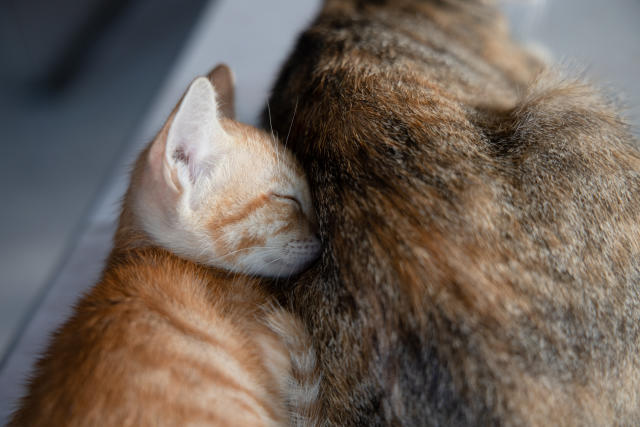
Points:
[(481, 230), (161, 340)]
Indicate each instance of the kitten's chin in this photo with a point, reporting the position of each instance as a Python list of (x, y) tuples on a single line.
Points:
[(278, 261), (290, 262), (283, 268)]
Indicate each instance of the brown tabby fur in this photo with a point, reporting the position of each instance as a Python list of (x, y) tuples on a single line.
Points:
[(480, 222), (165, 341)]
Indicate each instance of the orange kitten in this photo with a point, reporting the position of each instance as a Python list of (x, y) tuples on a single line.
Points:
[(226, 194), (163, 340)]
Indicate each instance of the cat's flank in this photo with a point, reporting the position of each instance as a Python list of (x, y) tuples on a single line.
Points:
[(163, 340), (481, 220)]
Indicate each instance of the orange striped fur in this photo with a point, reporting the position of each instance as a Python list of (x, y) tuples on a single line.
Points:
[(175, 333)]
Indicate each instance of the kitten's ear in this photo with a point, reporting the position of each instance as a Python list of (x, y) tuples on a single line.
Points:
[(223, 80), (195, 140)]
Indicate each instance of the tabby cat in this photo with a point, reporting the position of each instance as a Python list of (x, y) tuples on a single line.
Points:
[(480, 220), (161, 340)]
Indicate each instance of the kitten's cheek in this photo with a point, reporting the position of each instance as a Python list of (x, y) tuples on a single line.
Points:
[(270, 259), (275, 267)]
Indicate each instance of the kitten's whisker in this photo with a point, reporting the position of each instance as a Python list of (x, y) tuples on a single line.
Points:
[(295, 109), (270, 124), (245, 249), (273, 136)]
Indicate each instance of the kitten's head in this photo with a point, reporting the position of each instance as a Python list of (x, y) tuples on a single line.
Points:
[(222, 193)]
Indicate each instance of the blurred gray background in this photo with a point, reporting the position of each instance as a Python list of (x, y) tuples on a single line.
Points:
[(77, 76)]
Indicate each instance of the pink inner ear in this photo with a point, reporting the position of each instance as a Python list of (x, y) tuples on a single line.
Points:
[(195, 159), (194, 134), (179, 155), (187, 155)]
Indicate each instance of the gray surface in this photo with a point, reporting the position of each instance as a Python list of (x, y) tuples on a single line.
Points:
[(253, 37), (31, 43), (58, 146)]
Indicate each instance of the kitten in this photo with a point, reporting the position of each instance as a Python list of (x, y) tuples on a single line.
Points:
[(480, 223), (163, 340)]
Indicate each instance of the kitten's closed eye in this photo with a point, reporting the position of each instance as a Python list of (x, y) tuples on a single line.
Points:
[(214, 210), (289, 198)]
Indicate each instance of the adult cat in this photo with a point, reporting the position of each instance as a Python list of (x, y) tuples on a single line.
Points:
[(161, 340), (480, 223)]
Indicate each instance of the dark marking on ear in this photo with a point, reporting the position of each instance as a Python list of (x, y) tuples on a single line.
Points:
[(223, 81), (180, 156)]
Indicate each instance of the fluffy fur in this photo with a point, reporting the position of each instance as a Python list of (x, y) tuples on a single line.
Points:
[(161, 340), (480, 222)]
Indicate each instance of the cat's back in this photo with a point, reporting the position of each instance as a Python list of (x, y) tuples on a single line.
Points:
[(480, 227), (160, 341), (456, 50)]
